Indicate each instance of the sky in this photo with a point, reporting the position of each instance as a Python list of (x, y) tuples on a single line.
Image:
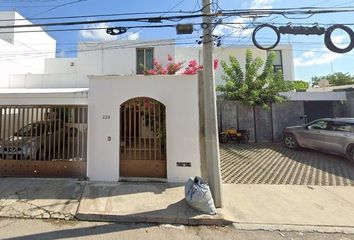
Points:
[(311, 58)]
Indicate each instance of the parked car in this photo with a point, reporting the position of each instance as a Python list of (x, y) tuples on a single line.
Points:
[(44, 140), (331, 135)]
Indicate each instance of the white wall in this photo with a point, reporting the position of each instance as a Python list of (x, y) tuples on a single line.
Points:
[(118, 57), (60, 65), (315, 96), (55, 80), (23, 53), (53, 98), (9, 35), (180, 96)]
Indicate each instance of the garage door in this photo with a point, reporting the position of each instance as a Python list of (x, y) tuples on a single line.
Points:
[(43, 141)]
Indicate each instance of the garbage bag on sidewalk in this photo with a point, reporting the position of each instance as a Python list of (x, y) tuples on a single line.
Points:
[(198, 195)]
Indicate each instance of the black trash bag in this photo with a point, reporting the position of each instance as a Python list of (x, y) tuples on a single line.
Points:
[(198, 195)]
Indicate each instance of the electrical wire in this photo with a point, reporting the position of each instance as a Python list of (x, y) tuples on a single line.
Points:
[(108, 15), (58, 6), (248, 14)]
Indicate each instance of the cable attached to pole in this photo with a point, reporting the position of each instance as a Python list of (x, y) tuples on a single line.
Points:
[(301, 30)]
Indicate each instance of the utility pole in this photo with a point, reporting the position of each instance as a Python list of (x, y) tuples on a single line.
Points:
[(211, 132)]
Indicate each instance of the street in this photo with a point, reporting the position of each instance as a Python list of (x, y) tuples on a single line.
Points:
[(21, 229)]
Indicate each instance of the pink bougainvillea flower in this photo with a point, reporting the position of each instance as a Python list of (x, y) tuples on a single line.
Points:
[(216, 64), (151, 72), (169, 58)]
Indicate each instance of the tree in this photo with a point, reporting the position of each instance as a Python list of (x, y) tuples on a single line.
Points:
[(253, 87), (335, 79), (298, 85)]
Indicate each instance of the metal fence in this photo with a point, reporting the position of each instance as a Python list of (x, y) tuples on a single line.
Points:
[(35, 136)]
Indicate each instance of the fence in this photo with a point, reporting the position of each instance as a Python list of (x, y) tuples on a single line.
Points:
[(43, 140), (267, 126), (263, 125)]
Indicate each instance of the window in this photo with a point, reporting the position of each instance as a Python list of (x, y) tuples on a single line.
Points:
[(343, 127), (278, 61), (319, 125), (144, 59)]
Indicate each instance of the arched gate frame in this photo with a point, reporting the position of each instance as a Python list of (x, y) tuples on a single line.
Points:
[(143, 138)]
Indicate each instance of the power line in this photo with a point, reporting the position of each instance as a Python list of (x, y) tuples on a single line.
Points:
[(58, 6), (143, 19), (104, 15), (155, 19)]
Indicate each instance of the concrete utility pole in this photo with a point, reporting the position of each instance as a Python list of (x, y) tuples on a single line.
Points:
[(211, 132)]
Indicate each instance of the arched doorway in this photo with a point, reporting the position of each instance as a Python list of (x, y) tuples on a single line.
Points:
[(143, 138)]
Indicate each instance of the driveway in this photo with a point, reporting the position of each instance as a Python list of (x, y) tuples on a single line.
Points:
[(270, 163)]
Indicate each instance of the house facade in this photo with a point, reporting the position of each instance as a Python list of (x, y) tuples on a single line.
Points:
[(125, 58), (98, 115)]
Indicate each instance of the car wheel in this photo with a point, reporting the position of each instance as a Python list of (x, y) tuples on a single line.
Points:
[(290, 141), (351, 155), (224, 138), (43, 155), (244, 139)]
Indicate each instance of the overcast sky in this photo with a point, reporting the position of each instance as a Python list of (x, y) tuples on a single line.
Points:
[(310, 55)]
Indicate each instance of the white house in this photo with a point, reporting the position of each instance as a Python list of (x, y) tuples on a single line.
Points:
[(22, 53), (98, 115)]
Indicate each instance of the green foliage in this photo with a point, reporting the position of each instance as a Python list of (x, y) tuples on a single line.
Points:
[(335, 79), (298, 85), (252, 87)]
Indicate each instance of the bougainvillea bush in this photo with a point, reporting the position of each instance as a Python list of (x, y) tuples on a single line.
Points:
[(172, 68), (193, 67)]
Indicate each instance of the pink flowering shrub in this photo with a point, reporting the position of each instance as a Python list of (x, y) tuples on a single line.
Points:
[(193, 67), (170, 69)]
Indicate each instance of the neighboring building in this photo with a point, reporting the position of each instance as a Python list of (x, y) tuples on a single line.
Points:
[(349, 87), (22, 53)]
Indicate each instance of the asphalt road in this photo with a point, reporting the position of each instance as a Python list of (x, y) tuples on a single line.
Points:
[(20, 229)]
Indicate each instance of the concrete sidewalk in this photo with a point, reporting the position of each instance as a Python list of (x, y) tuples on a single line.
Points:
[(331, 206), (140, 202), (39, 198), (248, 206)]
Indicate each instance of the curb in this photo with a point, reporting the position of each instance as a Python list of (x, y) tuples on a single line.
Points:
[(293, 228), (218, 220)]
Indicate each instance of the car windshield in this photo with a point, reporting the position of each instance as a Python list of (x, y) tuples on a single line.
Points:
[(33, 129), (321, 125)]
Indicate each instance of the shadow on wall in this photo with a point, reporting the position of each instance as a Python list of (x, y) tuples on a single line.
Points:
[(263, 125)]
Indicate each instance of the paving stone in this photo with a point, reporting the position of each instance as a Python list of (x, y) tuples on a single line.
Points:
[(272, 163)]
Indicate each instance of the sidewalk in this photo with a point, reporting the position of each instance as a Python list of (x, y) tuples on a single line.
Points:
[(140, 202), (39, 198), (247, 206), (289, 205)]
